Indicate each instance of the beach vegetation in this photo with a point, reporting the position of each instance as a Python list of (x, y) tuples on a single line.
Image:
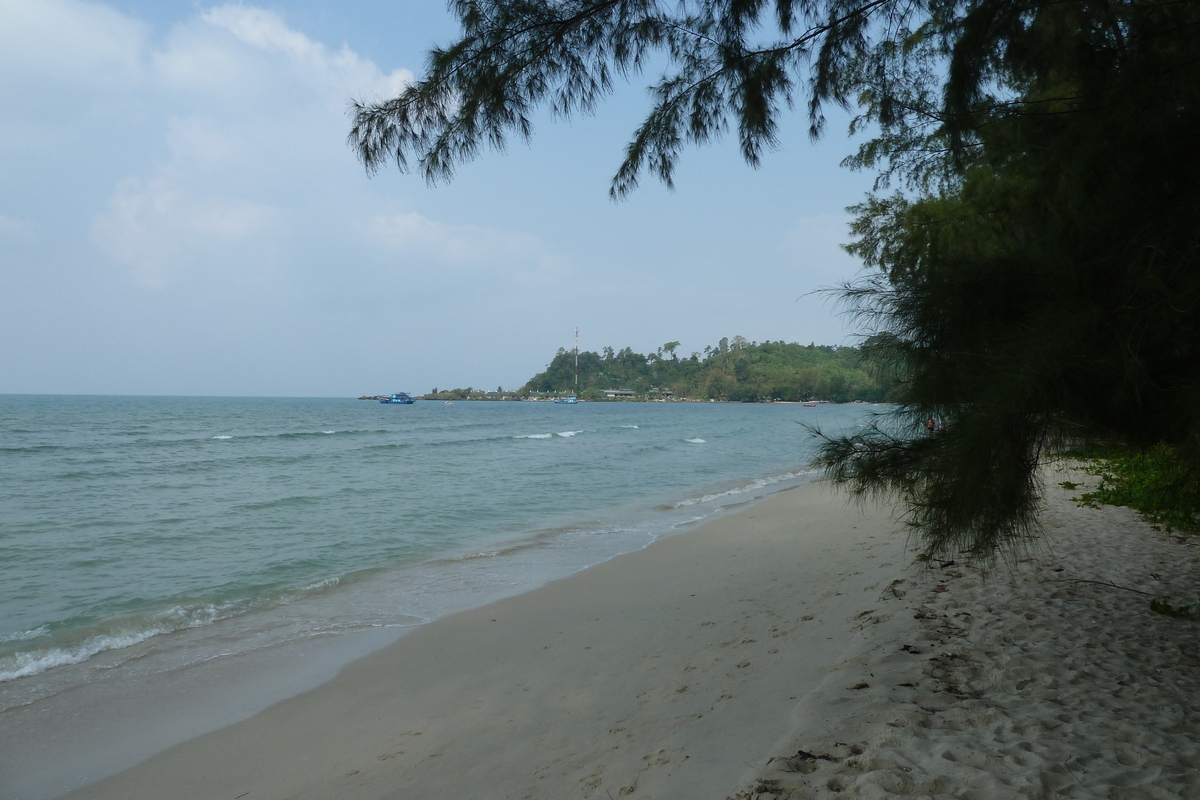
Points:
[(1159, 482), (1166, 609), (470, 393), (1034, 232)]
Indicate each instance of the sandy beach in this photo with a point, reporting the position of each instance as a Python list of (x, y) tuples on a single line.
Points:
[(794, 649)]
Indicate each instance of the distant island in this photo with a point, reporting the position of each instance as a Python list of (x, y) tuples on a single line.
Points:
[(734, 370)]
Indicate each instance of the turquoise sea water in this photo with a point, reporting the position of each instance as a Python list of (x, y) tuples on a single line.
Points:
[(149, 532)]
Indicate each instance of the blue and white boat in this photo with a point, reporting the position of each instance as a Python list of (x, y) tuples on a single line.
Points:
[(399, 397), (570, 400)]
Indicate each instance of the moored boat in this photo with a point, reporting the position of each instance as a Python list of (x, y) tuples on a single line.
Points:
[(569, 400), (402, 398)]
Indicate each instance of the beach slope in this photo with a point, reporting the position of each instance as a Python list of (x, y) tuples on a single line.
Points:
[(664, 673), (792, 650), (1051, 676)]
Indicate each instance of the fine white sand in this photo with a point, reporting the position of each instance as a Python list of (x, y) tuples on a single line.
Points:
[(762, 655), (1042, 681)]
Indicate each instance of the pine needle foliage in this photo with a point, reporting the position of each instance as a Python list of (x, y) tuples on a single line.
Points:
[(731, 65), (1037, 272), (1046, 296)]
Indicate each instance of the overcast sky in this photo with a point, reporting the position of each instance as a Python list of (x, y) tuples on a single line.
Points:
[(180, 214)]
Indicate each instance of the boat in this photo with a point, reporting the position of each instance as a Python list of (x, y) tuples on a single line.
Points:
[(403, 398), (569, 400)]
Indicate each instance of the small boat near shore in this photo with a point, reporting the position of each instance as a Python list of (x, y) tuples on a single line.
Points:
[(399, 398), (567, 401)]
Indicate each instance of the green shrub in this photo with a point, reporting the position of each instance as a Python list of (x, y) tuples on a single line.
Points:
[(1156, 482)]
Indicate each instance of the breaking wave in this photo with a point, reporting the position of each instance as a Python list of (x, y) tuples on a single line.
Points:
[(753, 486), (120, 634)]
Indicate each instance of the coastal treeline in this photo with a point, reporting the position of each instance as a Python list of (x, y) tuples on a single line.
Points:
[(733, 369)]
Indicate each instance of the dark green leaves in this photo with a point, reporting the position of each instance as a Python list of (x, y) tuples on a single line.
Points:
[(1048, 292)]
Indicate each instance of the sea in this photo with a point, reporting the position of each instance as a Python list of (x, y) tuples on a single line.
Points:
[(154, 543)]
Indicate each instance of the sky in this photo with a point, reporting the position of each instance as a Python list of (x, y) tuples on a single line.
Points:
[(180, 215)]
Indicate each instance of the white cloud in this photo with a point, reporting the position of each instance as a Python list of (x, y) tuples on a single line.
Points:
[(189, 196), (196, 61), (410, 232), (204, 141), (518, 257), (338, 75), (68, 40), (253, 124), (265, 30), (160, 231)]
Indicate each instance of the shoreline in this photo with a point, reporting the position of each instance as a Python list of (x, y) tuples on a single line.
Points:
[(658, 672), (87, 730), (789, 650), (482, 506)]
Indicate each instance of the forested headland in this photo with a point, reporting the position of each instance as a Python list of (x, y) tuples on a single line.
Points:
[(736, 370)]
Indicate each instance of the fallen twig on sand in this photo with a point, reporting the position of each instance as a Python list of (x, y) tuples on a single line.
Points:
[(1101, 583)]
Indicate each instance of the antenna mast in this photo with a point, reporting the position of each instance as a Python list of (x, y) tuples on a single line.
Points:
[(577, 358)]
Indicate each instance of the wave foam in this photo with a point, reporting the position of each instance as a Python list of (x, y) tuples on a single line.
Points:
[(534, 436), (568, 434), (222, 437), (635, 427), (23, 636), (22, 665), (322, 584), (177, 618), (695, 441), (761, 483)]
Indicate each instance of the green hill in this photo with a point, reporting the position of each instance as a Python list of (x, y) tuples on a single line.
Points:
[(733, 370)]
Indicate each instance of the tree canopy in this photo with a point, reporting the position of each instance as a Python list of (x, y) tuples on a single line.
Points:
[(738, 370), (1037, 277), (1046, 296)]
